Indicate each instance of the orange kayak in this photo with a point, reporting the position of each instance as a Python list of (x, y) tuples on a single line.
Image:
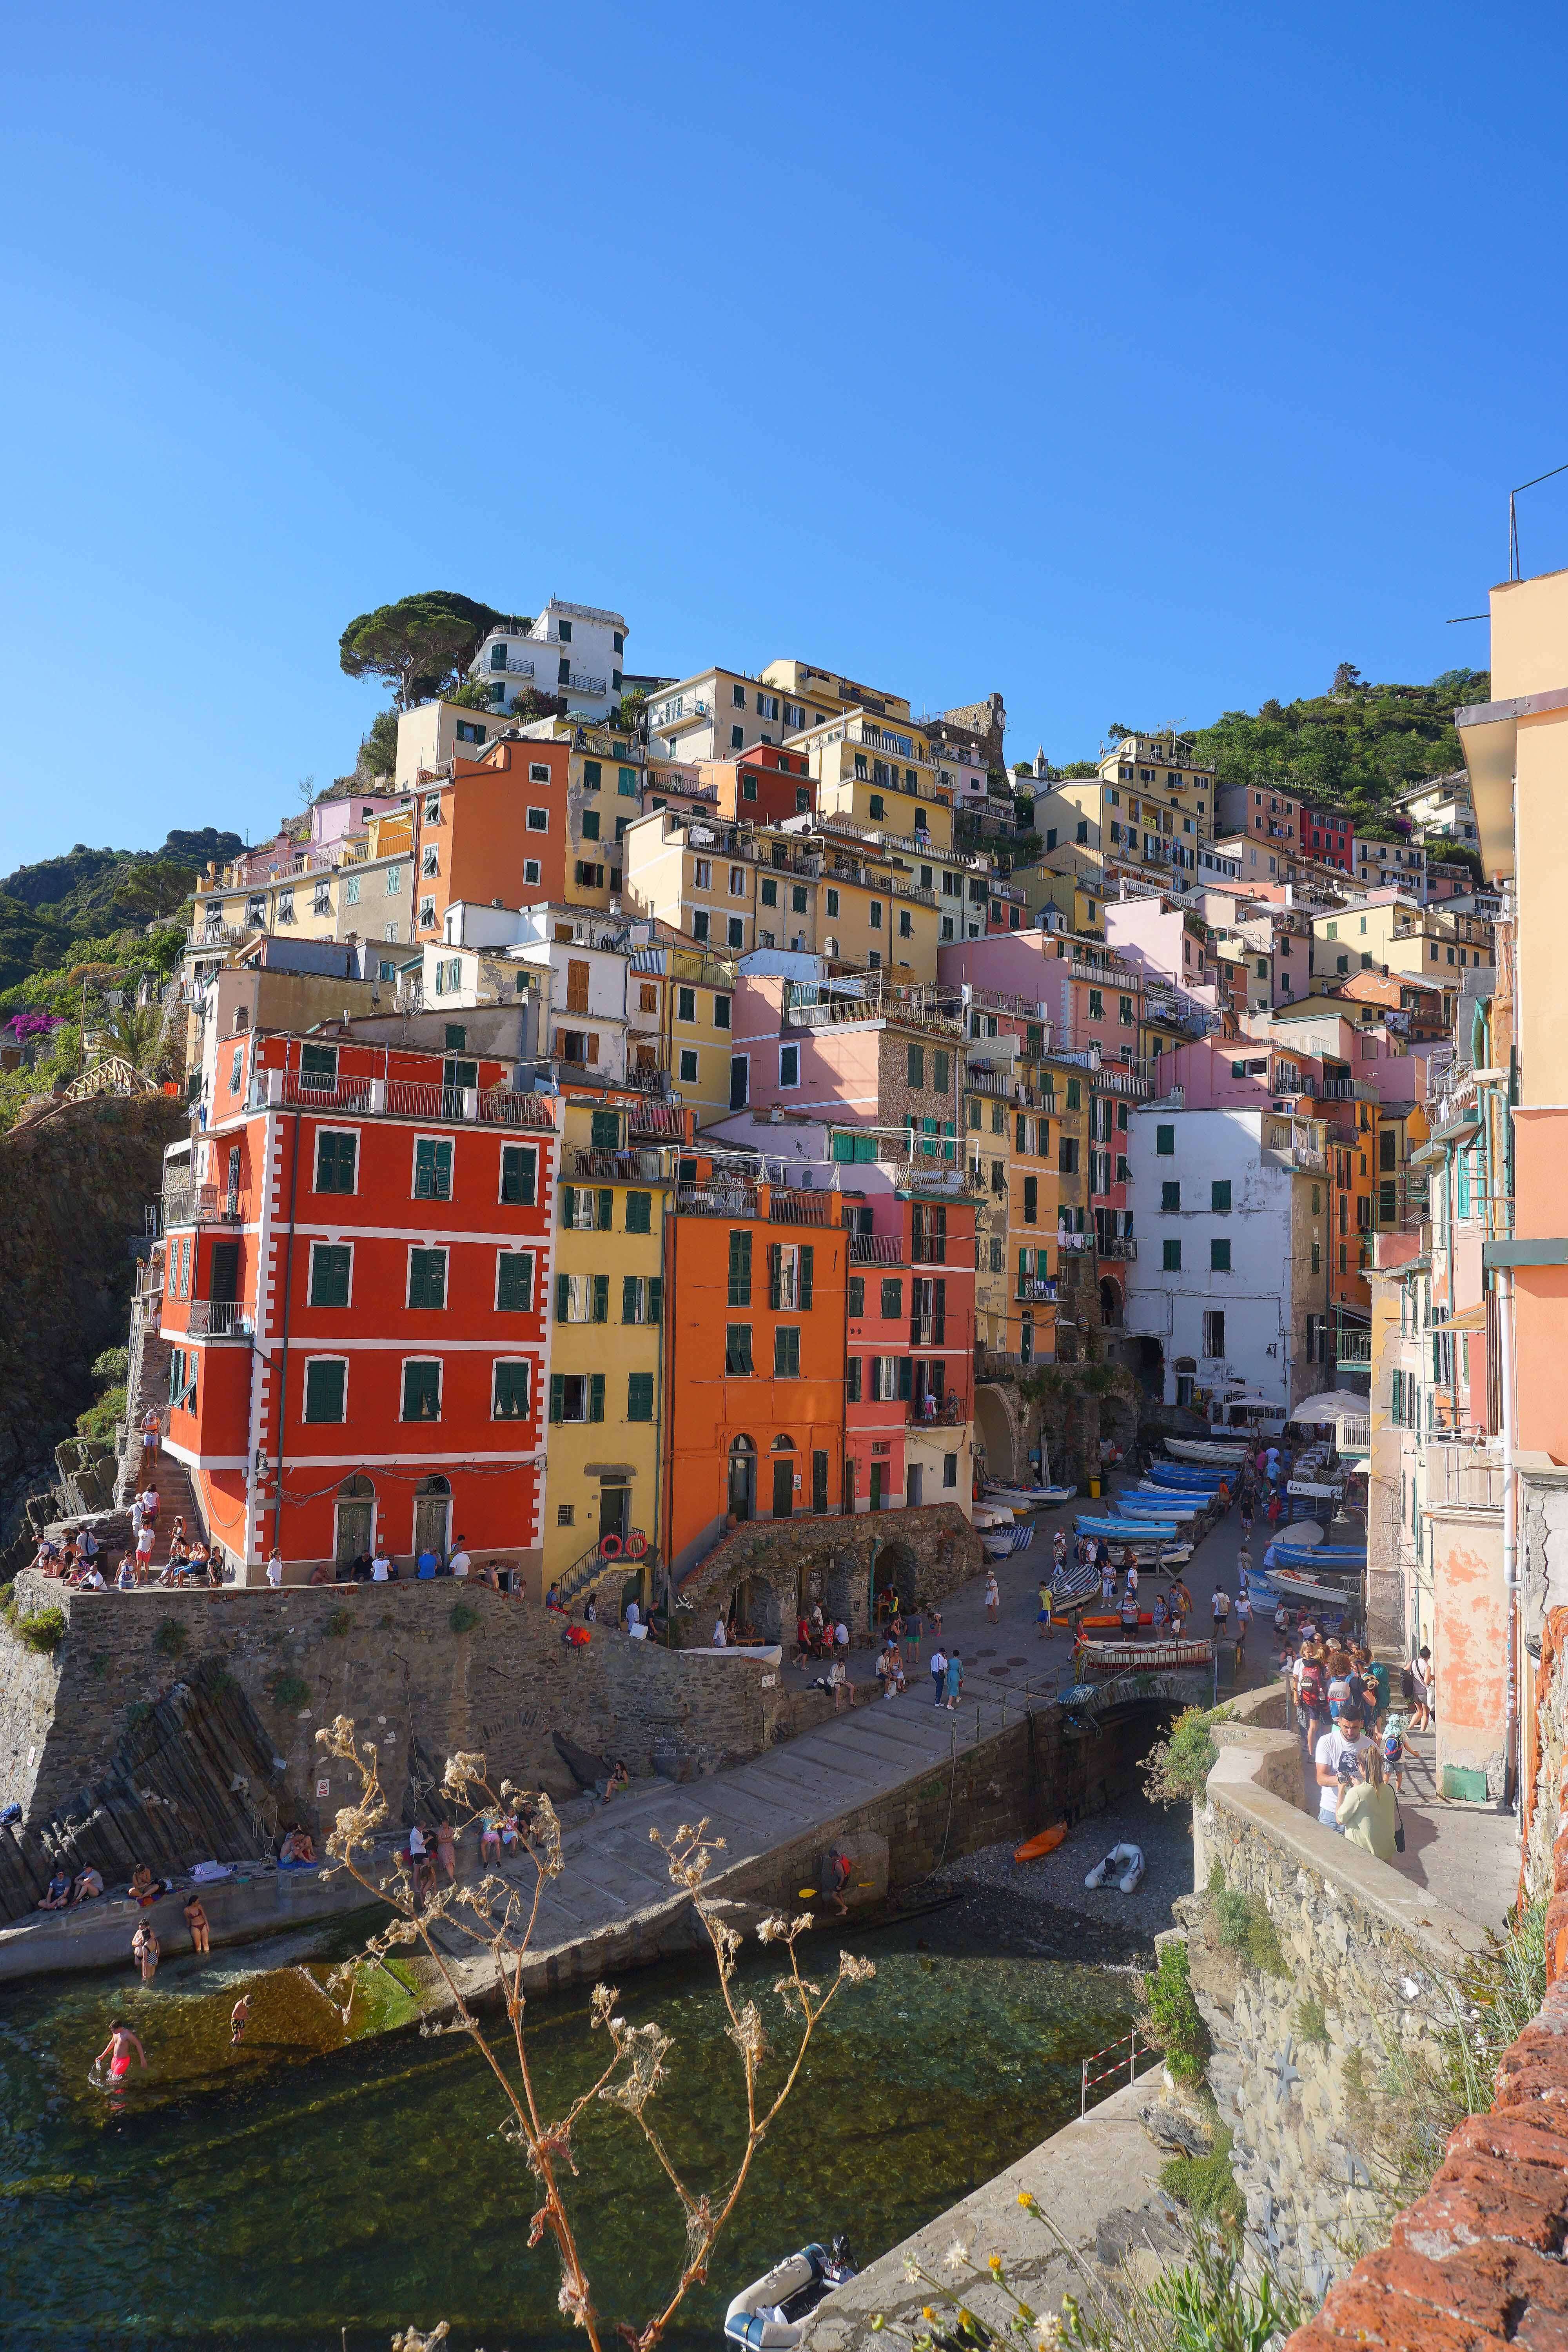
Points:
[(1046, 1842)]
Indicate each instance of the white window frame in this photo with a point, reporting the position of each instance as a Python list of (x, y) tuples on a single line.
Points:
[(579, 1291), (736, 930), (531, 873), (532, 1306), (391, 887), (538, 821), (324, 1129), (440, 1364), (528, 1364), (688, 1065), (441, 1249), (350, 889), (429, 862), (784, 1083), (304, 1386), (413, 1193), (500, 1173), (310, 1270), (427, 914), (737, 881), (538, 772)]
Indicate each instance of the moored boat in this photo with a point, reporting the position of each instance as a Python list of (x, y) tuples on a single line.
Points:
[(1154, 1657), (770, 2314), (1205, 1449)]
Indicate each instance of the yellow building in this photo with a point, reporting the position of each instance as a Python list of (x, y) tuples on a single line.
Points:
[(606, 1343), (1151, 805), (1415, 943), (679, 1003)]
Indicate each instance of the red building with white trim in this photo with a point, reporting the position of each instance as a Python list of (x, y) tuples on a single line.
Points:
[(357, 1272)]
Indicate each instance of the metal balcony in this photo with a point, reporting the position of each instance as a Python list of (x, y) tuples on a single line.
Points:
[(220, 1318), (203, 1204), (1123, 1245), (399, 1098), (620, 1167), (876, 1249)]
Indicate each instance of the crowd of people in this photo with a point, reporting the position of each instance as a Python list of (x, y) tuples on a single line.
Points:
[(80, 1561), (1353, 1737)]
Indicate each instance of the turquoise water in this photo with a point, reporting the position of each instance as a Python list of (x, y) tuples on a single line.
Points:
[(312, 2188)]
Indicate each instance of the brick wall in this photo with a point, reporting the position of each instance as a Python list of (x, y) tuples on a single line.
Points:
[(934, 1549)]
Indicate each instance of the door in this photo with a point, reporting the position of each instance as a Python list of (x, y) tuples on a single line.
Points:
[(614, 1511), (878, 1473), (456, 1075), (912, 1480), (223, 1272), (742, 1471), (432, 1514), (819, 1484), (783, 1488), (353, 1531)]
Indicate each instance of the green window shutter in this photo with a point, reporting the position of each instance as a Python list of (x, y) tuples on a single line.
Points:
[(335, 1158), (1043, 1264), (1172, 1257), (786, 1352), (655, 1298), (1170, 1198), (557, 1395), (852, 1378), (639, 1213), (514, 1280), (421, 1392), (1220, 1200), (1166, 1141), (596, 1396), (562, 1293), (639, 1396), (603, 1221), (569, 1204), (511, 1392), (950, 1140), (807, 1274), (601, 1298), (775, 1274), (905, 1390), (1075, 1094), (628, 1298), (517, 1174), (739, 1269), (432, 1169), (627, 782), (605, 1131), (325, 1391), (1219, 1257), (329, 1275), (426, 1278)]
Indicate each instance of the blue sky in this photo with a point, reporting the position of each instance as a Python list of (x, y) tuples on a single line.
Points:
[(1140, 361)]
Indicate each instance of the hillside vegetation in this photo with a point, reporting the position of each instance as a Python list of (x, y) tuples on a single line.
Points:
[(1356, 748)]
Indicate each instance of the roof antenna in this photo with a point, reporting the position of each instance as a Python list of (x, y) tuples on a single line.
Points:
[(1513, 570)]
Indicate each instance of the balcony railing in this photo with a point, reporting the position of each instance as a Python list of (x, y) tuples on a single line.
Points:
[(1123, 1245), (1353, 1348), (1035, 1286), (399, 1098), (876, 1249), (220, 1318), (671, 1121), (203, 1204), (720, 1197), (619, 1167), (800, 1208)]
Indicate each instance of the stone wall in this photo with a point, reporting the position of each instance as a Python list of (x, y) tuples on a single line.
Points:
[(390, 1656), (74, 1185), (1302, 2049), (934, 1550)]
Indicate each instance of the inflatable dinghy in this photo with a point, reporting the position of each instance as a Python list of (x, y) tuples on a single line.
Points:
[(770, 2314), (1128, 1858)]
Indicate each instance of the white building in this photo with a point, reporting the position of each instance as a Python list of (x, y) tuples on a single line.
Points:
[(576, 650), (1380, 864), (569, 964), (1232, 1223)]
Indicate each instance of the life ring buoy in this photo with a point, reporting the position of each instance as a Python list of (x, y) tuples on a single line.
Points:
[(637, 1544), (610, 1547)]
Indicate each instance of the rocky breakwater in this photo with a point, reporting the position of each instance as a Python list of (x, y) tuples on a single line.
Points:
[(1324, 1979), (75, 1185)]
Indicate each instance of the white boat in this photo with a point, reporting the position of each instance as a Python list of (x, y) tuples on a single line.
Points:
[(997, 1543), (1157, 1505), (1301, 1588), (1124, 1863), (770, 2314), (1029, 1499), (991, 1515), (1204, 1449)]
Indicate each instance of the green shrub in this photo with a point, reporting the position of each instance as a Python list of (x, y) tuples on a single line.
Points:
[(1206, 2186), (1173, 2016), (463, 1618), (1311, 2023), (114, 1364), (98, 1420), (98, 1664), (339, 1621), (137, 1712), (1177, 1766), (171, 1640), (8, 1604), (1244, 1926), (287, 1690), (43, 1629)]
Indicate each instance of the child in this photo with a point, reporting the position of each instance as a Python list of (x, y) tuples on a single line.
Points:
[(145, 1950), (121, 2042), (238, 2019), (197, 1921)]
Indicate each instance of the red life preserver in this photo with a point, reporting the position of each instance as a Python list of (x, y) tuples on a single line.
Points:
[(637, 1544), (610, 1547)]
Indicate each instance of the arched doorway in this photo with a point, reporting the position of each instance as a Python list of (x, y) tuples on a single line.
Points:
[(1187, 1379), (1150, 1368), (895, 1565), (1110, 1304), (742, 1486), (432, 1516), (354, 1518), (994, 1435), (783, 1477)]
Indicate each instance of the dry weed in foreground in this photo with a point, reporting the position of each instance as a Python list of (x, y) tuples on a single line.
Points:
[(499, 1919)]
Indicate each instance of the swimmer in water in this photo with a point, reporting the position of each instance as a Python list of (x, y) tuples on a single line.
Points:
[(239, 2018), (121, 2042)]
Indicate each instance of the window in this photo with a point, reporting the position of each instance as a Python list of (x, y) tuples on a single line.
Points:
[(906, 925), (749, 786), (1096, 1005), (575, 1398), (592, 775), (514, 1280), (627, 782), (892, 1301), (1214, 1331), (852, 1378), (786, 1352), (856, 1297), (538, 820), (589, 876), (699, 923), (737, 1350), (915, 1068), (739, 1269), (833, 904), (427, 1278), (688, 1065), (721, 1013), (639, 1213), (737, 738), (421, 1391), (326, 1387), (332, 1263), (738, 697), (1067, 1155), (1317, 1266), (769, 892), (1031, 1200), (639, 1396), (1219, 1256), (517, 1174), (789, 1066), (1166, 1141), (509, 1397), (1170, 1200), (876, 914), (1172, 1257), (432, 1168), (642, 1298), (429, 858), (337, 1156), (590, 824), (735, 931), (878, 806)]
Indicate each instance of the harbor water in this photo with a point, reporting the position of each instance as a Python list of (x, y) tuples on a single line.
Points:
[(319, 2185)]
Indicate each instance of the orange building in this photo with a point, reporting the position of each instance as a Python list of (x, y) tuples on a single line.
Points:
[(753, 1424), (495, 829), (765, 787)]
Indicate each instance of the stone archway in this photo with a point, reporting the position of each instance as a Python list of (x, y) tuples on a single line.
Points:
[(895, 1564), (994, 1433)]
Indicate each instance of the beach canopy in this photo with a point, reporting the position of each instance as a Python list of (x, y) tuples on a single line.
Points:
[(1333, 1404)]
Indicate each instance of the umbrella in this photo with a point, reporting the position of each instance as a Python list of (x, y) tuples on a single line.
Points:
[(1332, 1404)]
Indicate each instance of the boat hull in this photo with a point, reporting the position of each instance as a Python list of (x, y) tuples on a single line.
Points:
[(1203, 1449)]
